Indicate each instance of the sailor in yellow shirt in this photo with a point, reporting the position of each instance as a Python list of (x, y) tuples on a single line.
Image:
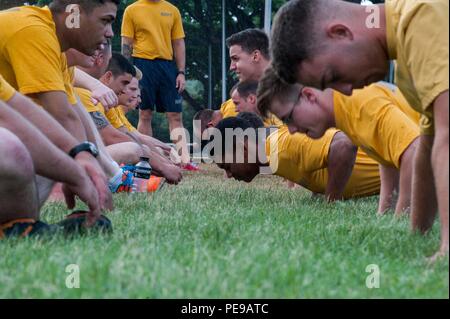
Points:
[(228, 109), (336, 52), (153, 36), (164, 158), (244, 97), (330, 166), (370, 118), (31, 45), (33, 143)]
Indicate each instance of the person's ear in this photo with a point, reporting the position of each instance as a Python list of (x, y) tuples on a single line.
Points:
[(309, 94), (256, 55), (108, 77), (339, 32), (252, 99), (210, 124)]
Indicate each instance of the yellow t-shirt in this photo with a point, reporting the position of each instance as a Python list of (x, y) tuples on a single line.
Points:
[(152, 26), (121, 115), (272, 121), (228, 109), (373, 121), (417, 38), (30, 54), (400, 101), (113, 118), (304, 161), (6, 90)]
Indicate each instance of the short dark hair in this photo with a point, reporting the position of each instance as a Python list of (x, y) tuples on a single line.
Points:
[(203, 115), (272, 87), (252, 118), (251, 40), (119, 65), (246, 88), (293, 38), (61, 5)]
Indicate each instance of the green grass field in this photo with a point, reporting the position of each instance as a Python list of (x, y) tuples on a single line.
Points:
[(216, 238)]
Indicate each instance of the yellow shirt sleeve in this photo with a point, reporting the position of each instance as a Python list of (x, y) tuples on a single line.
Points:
[(422, 73), (36, 61), (124, 119), (177, 30), (228, 109), (127, 25), (6, 90), (373, 122), (272, 120), (113, 118), (69, 77)]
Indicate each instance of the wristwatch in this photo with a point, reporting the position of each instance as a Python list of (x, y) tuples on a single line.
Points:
[(181, 72), (84, 147)]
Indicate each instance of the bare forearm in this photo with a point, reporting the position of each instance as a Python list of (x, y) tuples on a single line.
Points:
[(389, 185), (58, 106), (52, 129), (424, 204), (341, 159), (179, 49), (127, 48), (49, 161)]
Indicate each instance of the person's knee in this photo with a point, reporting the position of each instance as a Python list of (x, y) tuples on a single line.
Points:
[(145, 115), (16, 163)]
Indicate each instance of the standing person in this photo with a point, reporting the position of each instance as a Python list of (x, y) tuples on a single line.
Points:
[(352, 47), (153, 35)]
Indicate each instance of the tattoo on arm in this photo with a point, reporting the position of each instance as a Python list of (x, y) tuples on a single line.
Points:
[(100, 120), (127, 50)]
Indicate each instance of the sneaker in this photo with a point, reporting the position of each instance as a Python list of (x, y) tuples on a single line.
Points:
[(74, 224), (126, 183), (26, 228)]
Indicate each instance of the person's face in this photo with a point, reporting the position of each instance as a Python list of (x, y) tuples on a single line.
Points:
[(305, 115), (242, 172), (118, 84), (135, 101), (243, 63), (130, 93), (95, 27), (244, 104), (343, 65)]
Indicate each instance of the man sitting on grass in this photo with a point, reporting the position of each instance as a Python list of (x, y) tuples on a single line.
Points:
[(331, 166), (27, 151), (117, 76), (371, 118)]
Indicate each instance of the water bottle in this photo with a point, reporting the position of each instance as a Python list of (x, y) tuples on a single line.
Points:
[(142, 174)]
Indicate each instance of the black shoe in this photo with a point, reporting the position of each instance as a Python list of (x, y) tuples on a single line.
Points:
[(26, 228), (74, 224)]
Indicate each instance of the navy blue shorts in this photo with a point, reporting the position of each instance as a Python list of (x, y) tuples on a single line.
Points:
[(158, 84)]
